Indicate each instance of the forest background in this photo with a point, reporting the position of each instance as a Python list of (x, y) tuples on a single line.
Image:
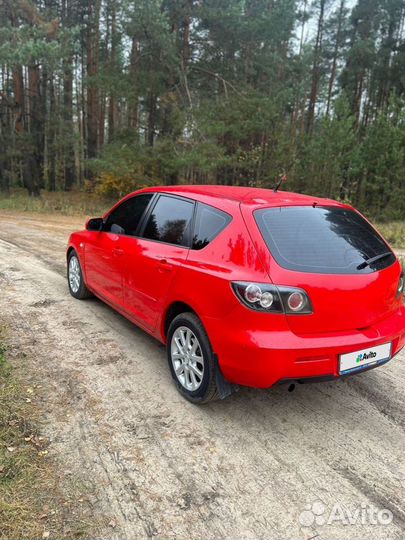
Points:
[(106, 96)]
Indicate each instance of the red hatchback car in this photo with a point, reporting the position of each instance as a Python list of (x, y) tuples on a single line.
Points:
[(245, 286)]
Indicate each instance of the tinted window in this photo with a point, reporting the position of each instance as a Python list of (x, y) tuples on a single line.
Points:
[(209, 223), (128, 215), (170, 221), (322, 239)]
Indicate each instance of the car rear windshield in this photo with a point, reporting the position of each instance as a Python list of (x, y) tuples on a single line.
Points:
[(327, 240)]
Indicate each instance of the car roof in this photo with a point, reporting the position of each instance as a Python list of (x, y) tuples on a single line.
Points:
[(235, 195)]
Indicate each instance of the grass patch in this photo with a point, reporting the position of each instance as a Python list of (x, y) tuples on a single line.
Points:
[(79, 203), (393, 232), (71, 203), (31, 502)]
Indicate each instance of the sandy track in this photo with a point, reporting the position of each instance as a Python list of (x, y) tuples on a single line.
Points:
[(160, 467)]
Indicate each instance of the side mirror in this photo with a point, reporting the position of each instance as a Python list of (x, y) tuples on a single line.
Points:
[(94, 224)]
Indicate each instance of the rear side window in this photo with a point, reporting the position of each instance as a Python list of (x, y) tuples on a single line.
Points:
[(327, 240), (170, 221), (208, 224), (126, 217)]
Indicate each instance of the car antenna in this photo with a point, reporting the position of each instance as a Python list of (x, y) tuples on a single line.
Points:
[(282, 178)]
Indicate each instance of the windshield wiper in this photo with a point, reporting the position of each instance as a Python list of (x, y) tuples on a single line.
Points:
[(367, 262)]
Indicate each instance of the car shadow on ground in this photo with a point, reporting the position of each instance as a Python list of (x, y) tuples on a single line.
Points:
[(331, 400)]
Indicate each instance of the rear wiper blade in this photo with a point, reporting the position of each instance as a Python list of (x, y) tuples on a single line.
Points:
[(367, 262)]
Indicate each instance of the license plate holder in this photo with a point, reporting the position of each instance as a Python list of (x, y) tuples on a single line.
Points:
[(364, 358)]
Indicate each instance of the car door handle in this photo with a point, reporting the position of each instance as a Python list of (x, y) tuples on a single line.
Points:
[(118, 252), (164, 266)]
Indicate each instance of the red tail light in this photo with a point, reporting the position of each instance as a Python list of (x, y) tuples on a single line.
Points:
[(272, 299)]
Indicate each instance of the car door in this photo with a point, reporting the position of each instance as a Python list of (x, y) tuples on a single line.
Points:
[(105, 250), (153, 259)]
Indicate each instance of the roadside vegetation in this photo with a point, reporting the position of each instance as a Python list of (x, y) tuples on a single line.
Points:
[(32, 504), (78, 203), (394, 233), (72, 203)]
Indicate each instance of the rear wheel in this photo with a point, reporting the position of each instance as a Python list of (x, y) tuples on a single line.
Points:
[(191, 359), (77, 286)]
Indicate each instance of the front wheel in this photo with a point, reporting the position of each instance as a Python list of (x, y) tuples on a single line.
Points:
[(191, 359), (77, 286)]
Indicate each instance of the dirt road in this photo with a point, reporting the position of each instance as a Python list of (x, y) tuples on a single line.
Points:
[(154, 465)]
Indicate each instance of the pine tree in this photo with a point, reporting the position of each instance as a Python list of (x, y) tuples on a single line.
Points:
[(122, 93)]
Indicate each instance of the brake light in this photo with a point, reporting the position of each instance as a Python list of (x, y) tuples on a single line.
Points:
[(271, 298), (296, 301)]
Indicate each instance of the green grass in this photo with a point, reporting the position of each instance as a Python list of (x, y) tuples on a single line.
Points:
[(80, 203), (393, 232), (32, 504), (72, 203)]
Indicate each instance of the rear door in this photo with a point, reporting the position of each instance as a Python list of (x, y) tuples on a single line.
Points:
[(152, 260), (324, 251)]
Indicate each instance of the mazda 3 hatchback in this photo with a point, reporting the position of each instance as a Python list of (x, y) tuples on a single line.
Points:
[(245, 286)]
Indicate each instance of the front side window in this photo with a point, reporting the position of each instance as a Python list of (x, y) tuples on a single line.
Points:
[(126, 217), (327, 240), (170, 221), (208, 224)]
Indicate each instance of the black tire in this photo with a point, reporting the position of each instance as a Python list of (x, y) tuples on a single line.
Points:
[(207, 390), (82, 291)]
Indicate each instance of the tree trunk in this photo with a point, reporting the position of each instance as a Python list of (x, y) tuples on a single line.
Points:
[(316, 68), (101, 118), (185, 52), (92, 47), (133, 100), (52, 137), (69, 157), (32, 132), (34, 161), (112, 104), (69, 151), (335, 55), (151, 119), (304, 16), (18, 83)]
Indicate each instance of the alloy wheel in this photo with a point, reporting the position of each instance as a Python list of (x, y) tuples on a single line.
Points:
[(187, 358), (74, 274)]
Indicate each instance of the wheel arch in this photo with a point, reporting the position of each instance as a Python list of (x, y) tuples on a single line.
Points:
[(171, 311), (74, 246), (69, 251), (222, 388)]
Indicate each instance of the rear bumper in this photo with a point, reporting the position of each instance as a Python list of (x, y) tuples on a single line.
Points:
[(328, 378), (263, 351)]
